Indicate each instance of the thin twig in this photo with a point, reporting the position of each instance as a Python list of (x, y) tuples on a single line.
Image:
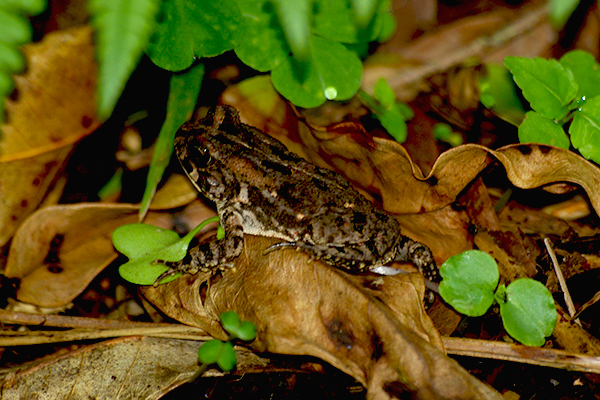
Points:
[(523, 354), (561, 280)]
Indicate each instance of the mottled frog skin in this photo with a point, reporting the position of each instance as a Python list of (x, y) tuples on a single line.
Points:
[(261, 188)]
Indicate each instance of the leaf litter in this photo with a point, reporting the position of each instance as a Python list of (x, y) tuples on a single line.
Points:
[(385, 341)]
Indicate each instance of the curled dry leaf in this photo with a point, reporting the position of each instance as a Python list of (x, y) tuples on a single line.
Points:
[(59, 249), (371, 327), (54, 108), (124, 368)]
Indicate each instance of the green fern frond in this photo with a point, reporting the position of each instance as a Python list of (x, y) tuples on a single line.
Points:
[(123, 29), (15, 31)]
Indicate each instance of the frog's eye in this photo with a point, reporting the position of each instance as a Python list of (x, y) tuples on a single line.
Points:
[(202, 157)]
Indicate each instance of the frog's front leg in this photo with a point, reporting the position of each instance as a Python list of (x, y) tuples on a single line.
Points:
[(214, 254)]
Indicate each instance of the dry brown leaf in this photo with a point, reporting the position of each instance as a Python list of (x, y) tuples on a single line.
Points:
[(125, 368), (59, 250), (55, 108), (371, 327)]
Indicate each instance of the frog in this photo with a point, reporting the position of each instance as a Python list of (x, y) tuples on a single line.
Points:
[(261, 188)]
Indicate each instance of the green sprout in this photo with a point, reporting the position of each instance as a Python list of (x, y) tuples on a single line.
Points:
[(145, 244), (526, 306)]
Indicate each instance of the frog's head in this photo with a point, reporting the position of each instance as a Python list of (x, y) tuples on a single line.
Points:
[(204, 149)]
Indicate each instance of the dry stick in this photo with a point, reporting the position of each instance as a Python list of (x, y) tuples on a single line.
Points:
[(561, 280), (527, 22), (522, 354)]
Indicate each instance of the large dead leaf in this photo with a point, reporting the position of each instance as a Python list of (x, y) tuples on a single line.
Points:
[(125, 368), (371, 327), (54, 108), (59, 250)]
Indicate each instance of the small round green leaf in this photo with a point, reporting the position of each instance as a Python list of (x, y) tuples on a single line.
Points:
[(227, 359), (138, 240), (469, 281), (331, 66), (144, 271), (538, 129), (210, 351), (529, 313), (547, 85), (246, 331), (230, 321)]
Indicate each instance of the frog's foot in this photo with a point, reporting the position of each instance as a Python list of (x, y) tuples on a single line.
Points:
[(420, 256)]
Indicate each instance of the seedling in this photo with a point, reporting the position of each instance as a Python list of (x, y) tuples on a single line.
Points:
[(222, 353), (145, 244), (563, 94), (526, 306), (392, 114)]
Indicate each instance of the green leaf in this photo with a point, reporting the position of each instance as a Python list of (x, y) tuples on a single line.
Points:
[(499, 93), (336, 20), (210, 351), (469, 280), (193, 29), (333, 73), (586, 72), (538, 129), (14, 28), (11, 59), (183, 93), (547, 85), (528, 313), (294, 17), (559, 11), (144, 244), (585, 130), (384, 94), (123, 29), (216, 351), (244, 330), (394, 121), (363, 11), (263, 46)]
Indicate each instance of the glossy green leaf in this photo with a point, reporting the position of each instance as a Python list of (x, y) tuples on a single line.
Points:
[(469, 281), (585, 130), (547, 85), (183, 93), (528, 311), (332, 70), (243, 330), (538, 129), (144, 244), (294, 17), (192, 29), (559, 11), (123, 29), (586, 72), (499, 93), (227, 359), (230, 321), (263, 46)]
